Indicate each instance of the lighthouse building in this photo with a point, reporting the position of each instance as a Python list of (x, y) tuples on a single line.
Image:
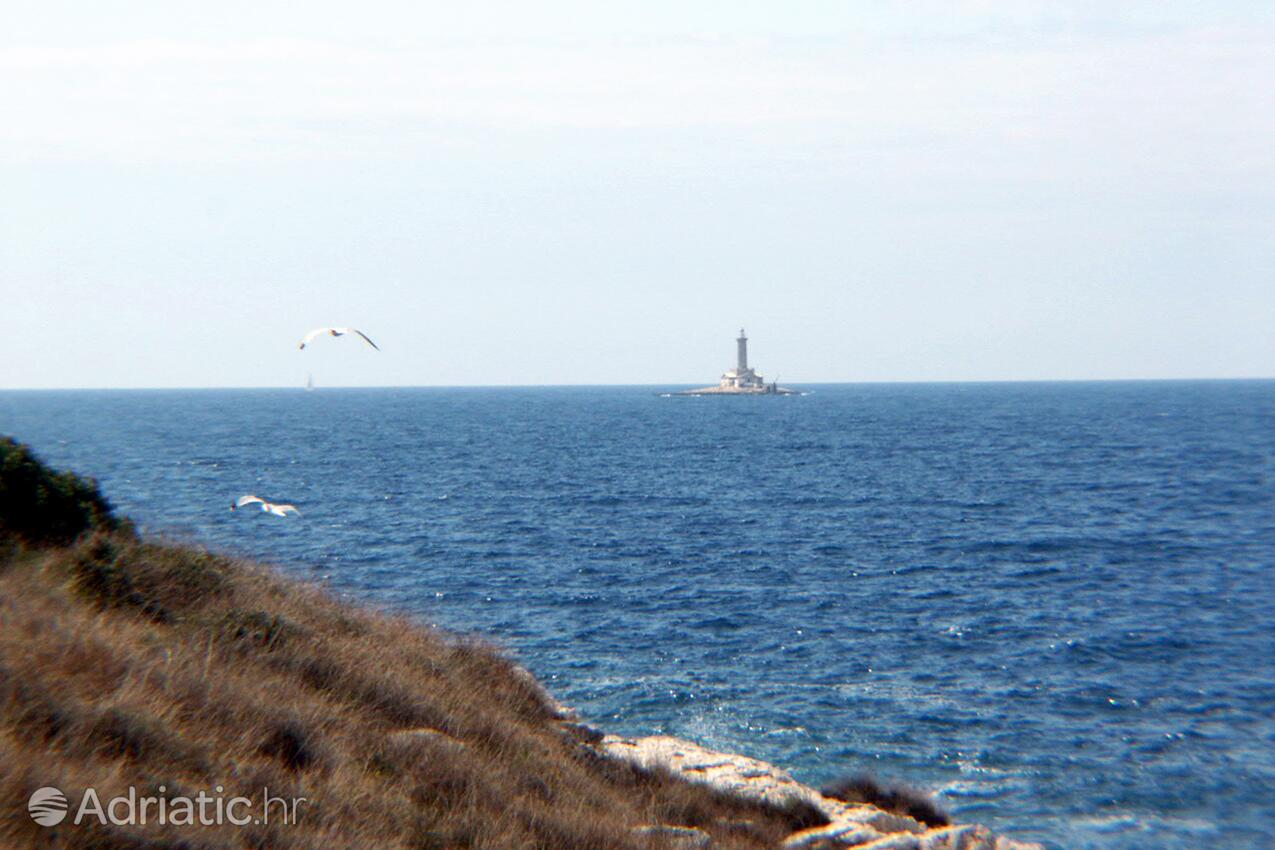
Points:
[(742, 377), (742, 380)]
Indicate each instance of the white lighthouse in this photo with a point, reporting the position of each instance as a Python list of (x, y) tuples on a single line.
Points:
[(743, 379)]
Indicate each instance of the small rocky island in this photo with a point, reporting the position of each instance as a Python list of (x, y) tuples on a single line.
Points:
[(742, 380)]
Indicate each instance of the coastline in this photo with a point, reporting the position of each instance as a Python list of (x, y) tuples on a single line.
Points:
[(138, 665), (125, 596)]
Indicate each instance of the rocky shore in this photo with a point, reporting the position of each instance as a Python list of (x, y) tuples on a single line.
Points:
[(849, 825)]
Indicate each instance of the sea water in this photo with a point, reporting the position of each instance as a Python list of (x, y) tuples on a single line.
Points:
[(1053, 604)]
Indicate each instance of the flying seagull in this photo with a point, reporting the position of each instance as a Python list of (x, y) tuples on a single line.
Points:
[(267, 507), (308, 338)]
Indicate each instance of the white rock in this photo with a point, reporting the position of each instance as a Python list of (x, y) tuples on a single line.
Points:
[(850, 824)]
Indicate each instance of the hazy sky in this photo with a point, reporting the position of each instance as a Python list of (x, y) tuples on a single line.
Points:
[(548, 193)]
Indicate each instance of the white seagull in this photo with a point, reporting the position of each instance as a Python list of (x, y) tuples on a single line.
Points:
[(308, 338), (267, 507)]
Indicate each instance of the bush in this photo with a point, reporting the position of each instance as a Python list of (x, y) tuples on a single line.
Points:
[(163, 582), (42, 507), (890, 796)]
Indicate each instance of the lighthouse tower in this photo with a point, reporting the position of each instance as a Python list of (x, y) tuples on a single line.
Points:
[(742, 377)]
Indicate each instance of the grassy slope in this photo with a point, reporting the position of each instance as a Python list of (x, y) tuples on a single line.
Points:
[(129, 663)]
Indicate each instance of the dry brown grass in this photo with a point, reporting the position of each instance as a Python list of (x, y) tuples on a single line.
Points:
[(125, 663)]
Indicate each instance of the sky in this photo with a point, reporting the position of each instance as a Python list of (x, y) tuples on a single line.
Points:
[(604, 193)]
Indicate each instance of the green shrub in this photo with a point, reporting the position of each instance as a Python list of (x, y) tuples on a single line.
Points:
[(43, 507), (891, 796), (163, 582)]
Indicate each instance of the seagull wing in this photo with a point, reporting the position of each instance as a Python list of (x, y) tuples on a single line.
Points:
[(308, 338), (284, 510), (248, 500), (366, 338)]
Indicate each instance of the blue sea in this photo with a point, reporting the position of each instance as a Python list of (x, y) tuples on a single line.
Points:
[(1053, 604)]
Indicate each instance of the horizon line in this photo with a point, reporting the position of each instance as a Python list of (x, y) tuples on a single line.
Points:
[(667, 385)]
